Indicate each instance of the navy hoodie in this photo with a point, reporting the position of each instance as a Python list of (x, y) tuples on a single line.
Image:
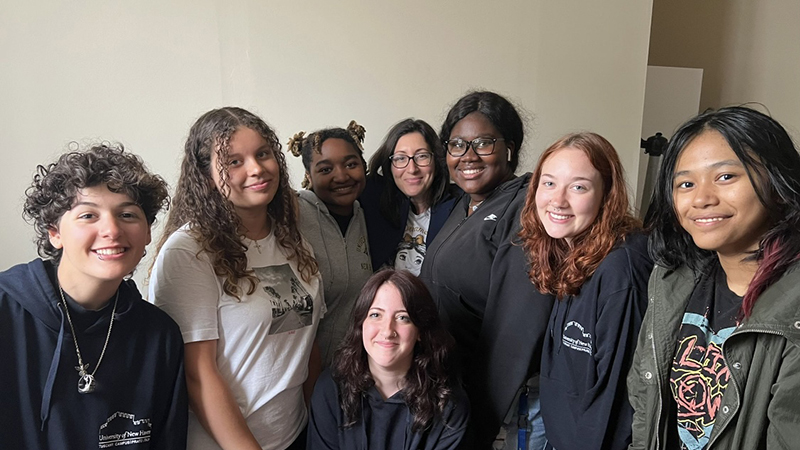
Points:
[(140, 401), (588, 351), (381, 424)]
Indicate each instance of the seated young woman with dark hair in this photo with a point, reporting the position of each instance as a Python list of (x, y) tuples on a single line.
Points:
[(389, 387)]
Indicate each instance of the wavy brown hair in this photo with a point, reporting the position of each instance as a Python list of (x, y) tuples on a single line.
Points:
[(557, 267), (428, 382), (212, 219)]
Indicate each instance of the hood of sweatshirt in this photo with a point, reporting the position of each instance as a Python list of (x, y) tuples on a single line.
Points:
[(29, 285)]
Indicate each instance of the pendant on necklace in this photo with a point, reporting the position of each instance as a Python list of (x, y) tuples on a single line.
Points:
[(258, 246), (86, 384)]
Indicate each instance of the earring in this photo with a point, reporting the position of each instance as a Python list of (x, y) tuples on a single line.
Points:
[(508, 152)]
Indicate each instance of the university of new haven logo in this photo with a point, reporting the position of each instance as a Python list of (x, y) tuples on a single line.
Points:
[(123, 429)]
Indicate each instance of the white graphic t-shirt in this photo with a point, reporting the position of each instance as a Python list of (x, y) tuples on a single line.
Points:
[(411, 250), (263, 339)]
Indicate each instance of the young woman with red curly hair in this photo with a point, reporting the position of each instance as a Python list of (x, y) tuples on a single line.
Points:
[(581, 241)]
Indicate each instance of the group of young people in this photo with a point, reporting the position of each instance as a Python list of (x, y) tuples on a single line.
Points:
[(427, 299)]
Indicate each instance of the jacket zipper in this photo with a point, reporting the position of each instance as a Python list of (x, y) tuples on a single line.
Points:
[(447, 238), (658, 382)]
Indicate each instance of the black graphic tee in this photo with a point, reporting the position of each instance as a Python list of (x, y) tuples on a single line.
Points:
[(699, 373)]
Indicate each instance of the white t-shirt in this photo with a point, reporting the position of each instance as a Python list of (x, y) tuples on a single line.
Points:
[(411, 250), (264, 340)]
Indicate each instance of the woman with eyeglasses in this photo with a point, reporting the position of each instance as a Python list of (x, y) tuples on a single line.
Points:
[(477, 274), (717, 365), (408, 195)]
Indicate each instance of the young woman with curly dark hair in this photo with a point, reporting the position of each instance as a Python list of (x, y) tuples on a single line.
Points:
[(234, 272), (581, 241), (390, 386), (87, 362), (718, 360)]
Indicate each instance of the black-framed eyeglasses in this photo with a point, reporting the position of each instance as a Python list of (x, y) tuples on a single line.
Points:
[(421, 159), (481, 146)]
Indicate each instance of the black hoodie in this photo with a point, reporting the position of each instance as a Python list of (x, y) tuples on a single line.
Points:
[(478, 275), (140, 401)]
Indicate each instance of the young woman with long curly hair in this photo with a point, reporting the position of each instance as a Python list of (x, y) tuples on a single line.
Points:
[(581, 241), (234, 272), (390, 386)]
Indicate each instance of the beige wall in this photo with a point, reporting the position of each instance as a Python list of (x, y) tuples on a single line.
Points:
[(141, 72), (749, 51)]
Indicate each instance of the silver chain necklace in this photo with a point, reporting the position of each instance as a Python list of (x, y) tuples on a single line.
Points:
[(86, 383)]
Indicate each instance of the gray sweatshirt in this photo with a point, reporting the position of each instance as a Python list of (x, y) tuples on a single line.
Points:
[(344, 264)]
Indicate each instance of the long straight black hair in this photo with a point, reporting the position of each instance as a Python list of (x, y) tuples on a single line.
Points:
[(772, 163)]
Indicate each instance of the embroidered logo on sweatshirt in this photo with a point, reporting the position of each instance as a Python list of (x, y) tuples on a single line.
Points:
[(576, 338), (123, 429)]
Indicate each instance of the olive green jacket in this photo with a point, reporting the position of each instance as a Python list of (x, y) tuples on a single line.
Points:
[(760, 408)]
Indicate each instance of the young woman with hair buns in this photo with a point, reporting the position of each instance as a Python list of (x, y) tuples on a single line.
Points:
[(332, 221)]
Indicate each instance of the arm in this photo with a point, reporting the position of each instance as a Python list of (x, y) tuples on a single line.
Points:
[(637, 390), (174, 428), (512, 336), (212, 401), (325, 417), (783, 409), (454, 422), (314, 369)]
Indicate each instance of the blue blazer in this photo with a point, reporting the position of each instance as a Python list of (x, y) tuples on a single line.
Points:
[(383, 235)]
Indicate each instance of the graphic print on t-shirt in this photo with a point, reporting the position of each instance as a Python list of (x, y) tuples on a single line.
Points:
[(699, 374), (292, 305), (699, 378), (410, 254)]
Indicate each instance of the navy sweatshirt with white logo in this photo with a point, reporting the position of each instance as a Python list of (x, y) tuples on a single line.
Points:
[(588, 350), (140, 401)]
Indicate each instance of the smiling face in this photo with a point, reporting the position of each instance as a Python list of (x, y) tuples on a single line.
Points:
[(714, 199), (389, 335), (478, 175), (337, 175), (254, 173), (414, 181), (569, 193), (102, 238)]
